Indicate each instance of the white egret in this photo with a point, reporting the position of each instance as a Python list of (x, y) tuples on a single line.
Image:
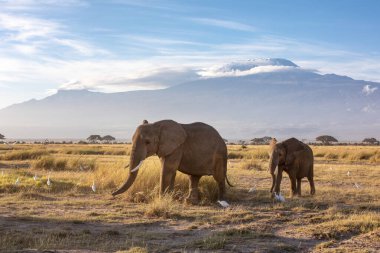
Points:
[(48, 181), (348, 173), (279, 197), (35, 177), (223, 203), (17, 181), (251, 189)]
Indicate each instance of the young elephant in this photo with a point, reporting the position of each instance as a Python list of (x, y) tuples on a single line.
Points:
[(295, 158), (195, 149)]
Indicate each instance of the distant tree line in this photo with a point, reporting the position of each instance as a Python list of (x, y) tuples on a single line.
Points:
[(323, 140)]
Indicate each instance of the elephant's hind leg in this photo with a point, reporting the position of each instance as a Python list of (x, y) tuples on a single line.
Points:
[(220, 177), (293, 185), (299, 186), (312, 187), (310, 178), (193, 197)]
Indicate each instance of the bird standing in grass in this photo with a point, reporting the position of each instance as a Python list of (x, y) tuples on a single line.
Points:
[(48, 181), (223, 203), (17, 181), (93, 187), (279, 197)]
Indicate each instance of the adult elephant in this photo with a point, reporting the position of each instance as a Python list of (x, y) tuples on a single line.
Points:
[(195, 149), (296, 159)]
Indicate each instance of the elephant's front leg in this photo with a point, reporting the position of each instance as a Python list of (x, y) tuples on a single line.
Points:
[(278, 174), (170, 165), (273, 183), (193, 197)]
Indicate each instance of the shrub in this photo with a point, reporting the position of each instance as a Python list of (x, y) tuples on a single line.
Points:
[(24, 154), (332, 156), (250, 165), (235, 155), (61, 164)]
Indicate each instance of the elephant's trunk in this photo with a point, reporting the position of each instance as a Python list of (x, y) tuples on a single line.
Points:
[(134, 168), (273, 162), (127, 184)]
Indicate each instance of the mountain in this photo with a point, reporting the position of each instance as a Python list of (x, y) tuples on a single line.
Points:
[(280, 99)]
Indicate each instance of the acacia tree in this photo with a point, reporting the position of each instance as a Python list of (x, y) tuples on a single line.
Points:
[(326, 139), (262, 140), (2, 137), (372, 141), (94, 138), (108, 138)]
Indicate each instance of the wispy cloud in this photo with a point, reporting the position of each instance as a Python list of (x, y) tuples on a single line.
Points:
[(368, 90), (29, 35), (22, 28), (38, 4), (227, 24)]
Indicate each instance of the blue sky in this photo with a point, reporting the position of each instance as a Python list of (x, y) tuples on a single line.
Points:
[(125, 45)]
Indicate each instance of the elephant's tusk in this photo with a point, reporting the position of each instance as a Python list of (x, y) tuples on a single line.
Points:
[(137, 167)]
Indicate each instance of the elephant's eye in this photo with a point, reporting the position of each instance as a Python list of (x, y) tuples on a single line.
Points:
[(147, 142)]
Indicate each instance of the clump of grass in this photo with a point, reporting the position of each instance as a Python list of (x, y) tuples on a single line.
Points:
[(251, 165), (134, 250), (261, 154), (62, 164), (50, 163), (82, 164), (24, 154), (213, 242), (331, 156), (97, 150), (319, 154), (208, 189), (352, 224), (235, 155), (362, 156), (164, 207)]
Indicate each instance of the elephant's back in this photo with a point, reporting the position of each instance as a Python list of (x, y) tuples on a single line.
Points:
[(202, 146), (203, 131)]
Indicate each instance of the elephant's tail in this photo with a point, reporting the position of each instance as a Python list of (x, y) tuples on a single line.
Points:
[(228, 182)]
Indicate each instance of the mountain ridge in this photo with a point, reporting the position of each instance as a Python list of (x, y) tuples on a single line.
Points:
[(281, 103)]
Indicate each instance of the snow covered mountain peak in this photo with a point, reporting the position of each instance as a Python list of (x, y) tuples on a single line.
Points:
[(249, 67)]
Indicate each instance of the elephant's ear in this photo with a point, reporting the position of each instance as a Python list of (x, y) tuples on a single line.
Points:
[(171, 136)]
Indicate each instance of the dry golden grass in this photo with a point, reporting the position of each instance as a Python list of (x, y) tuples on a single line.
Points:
[(344, 213)]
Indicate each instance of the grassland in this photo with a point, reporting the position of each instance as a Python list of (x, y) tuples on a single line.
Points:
[(69, 216)]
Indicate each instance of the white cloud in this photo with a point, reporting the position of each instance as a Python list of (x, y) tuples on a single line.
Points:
[(29, 35), (219, 71), (367, 109), (368, 90), (22, 28), (233, 25), (38, 4)]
